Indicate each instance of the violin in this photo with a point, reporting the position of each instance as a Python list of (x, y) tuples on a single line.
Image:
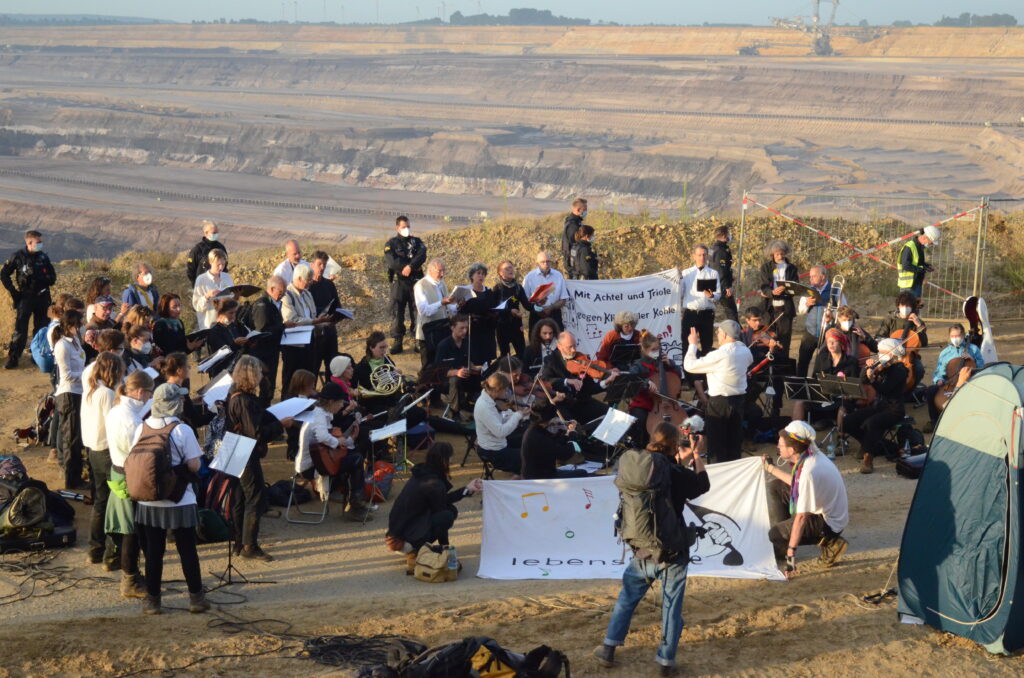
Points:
[(910, 339), (581, 365)]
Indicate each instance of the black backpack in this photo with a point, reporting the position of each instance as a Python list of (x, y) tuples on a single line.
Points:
[(646, 520), (480, 657)]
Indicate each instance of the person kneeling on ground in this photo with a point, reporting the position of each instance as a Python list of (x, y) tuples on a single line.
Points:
[(425, 508), (807, 505), (153, 519), (321, 431), (649, 480)]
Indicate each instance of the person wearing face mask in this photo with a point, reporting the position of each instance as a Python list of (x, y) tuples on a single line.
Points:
[(573, 223), (912, 265), (958, 347), (905, 320), (28, 276), (868, 425), (548, 442), (199, 258), (582, 257), (142, 291), (405, 255), (648, 367), (720, 259), (140, 349), (509, 324), (847, 323), (699, 305)]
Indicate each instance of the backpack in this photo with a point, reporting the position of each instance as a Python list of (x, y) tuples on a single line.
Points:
[(12, 469), (646, 520), (25, 515), (484, 657), (576, 257), (42, 354), (149, 470)]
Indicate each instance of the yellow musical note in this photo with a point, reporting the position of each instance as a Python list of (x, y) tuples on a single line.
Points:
[(522, 498)]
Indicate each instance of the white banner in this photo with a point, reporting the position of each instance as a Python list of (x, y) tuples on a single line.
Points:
[(654, 298), (564, 529)]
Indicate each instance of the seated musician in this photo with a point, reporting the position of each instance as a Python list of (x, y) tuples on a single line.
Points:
[(847, 322), (543, 342), (648, 368), (547, 443), (833, 360), (904, 322), (888, 376), (948, 368), (761, 342), (377, 377), (342, 372), (580, 389), (623, 332), (463, 378), (496, 420)]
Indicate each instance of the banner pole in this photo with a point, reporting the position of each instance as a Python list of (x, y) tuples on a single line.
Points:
[(739, 249)]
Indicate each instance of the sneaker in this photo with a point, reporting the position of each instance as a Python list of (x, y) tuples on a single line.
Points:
[(605, 655), (131, 587), (867, 464), (151, 605), (832, 549), (256, 553), (197, 603)]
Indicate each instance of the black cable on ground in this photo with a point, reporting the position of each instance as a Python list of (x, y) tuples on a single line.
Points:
[(37, 577)]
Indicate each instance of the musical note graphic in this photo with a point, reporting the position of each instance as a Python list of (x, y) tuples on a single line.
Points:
[(534, 494), (590, 497)]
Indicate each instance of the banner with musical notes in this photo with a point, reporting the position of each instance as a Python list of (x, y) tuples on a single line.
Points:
[(654, 299), (564, 529)]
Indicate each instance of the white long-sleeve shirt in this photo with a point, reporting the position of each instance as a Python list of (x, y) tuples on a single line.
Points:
[(206, 313), (69, 356), (286, 270), (694, 300), (317, 431), (535, 279), (726, 367), (493, 427), (95, 407), (121, 422)]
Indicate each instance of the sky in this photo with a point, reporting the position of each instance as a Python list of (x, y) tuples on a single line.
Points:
[(635, 11)]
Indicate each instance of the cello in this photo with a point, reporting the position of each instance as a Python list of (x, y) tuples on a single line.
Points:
[(910, 339), (957, 370), (667, 406)]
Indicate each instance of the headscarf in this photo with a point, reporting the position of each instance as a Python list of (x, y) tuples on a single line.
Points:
[(802, 432), (839, 336)]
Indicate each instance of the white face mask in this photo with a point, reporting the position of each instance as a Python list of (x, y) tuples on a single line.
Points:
[(956, 341), (904, 311), (846, 325), (147, 348), (404, 232), (654, 354), (147, 279), (213, 237)]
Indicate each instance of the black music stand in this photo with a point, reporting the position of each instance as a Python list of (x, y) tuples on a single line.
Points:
[(624, 387), (795, 289), (805, 388), (624, 354), (841, 388)]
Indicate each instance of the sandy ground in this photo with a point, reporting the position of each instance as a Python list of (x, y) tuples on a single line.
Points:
[(338, 578)]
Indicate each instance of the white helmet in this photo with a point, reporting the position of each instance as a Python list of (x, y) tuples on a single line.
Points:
[(933, 234)]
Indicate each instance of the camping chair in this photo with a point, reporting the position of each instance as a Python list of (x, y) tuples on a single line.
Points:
[(301, 458), (488, 466)]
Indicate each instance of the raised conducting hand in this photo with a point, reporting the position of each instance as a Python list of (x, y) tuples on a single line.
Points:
[(694, 337)]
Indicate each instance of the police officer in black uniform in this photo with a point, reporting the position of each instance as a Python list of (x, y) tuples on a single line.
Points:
[(405, 255), (721, 261), (33, 276)]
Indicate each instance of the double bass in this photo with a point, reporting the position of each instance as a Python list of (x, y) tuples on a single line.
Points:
[(959, 367), (667, 406), (910, 340)]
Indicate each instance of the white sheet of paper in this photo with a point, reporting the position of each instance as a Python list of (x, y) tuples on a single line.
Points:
[(297, 336), (613, 426), (218, 390), (304, 417), (501, 306), (233, 454), (385, 432), (332, 268), (153, 374), (346, 313), (221, 353), (290, 407), (253, 333), (462, 292), (588, 466)]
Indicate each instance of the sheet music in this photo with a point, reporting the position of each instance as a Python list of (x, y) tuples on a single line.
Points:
[(153, 374), (217, 390), (304, 417), (297, 336), (613, 426), (290, 407), (222, 352), (332, 268), (590, 467), (233, 454), (385, 432), (462, 292), (501, 306)]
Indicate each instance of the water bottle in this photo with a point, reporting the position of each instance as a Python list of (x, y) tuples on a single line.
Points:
[(453, 560)]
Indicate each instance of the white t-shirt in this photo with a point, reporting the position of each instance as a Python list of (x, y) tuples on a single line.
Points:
[(823, 492), (184, 447)]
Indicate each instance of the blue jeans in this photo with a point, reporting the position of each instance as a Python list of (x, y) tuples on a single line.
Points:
[(638, 577)]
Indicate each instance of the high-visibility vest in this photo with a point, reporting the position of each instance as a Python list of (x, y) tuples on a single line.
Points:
[(906, 278)]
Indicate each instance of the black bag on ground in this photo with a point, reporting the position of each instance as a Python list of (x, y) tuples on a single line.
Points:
[(277, 494), (481, 657)]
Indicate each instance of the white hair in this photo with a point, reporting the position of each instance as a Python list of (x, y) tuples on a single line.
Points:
[(891, 346), (302, 272)]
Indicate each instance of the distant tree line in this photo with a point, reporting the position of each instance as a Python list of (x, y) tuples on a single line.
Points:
[(966, 20), (517, 17), (71, 20)]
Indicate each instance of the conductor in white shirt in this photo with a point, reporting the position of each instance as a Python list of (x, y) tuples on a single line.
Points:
[(726, 369), (699, 305)]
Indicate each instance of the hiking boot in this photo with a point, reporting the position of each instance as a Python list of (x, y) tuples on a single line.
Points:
[(11, 363), (151, 605), (198, 603), (867, 464), (832, 549), (94, 557), (605, 655), (132, 587), (111, 564), (256, 553), (396, 347), (410, 563)]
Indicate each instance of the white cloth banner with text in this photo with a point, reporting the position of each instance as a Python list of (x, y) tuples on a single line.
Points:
[(653, 298), (564, 529)]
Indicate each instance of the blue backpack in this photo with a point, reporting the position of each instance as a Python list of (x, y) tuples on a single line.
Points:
[(42, 354)]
